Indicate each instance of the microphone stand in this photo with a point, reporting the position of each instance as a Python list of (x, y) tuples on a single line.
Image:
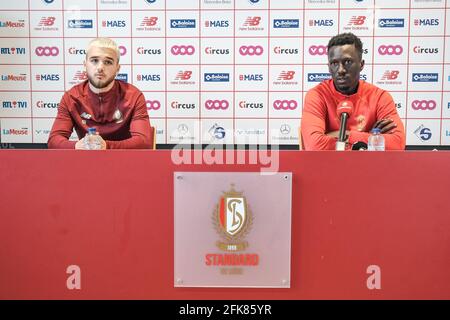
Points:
[(340, 144)]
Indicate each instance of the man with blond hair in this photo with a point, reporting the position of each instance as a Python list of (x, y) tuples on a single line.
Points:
[(116, 109)]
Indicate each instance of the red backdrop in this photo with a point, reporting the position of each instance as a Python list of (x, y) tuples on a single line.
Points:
[(111, 213)]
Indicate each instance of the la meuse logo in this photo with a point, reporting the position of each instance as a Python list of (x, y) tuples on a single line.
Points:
[(12, 24), (12, 77), (15, 132)]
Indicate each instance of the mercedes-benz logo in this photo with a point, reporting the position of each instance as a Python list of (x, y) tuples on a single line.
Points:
[(285, 129), (183, 129)]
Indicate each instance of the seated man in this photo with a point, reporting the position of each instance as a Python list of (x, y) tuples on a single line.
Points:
[(372, 107), (115, 108)]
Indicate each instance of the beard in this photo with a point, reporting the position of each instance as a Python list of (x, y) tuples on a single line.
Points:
[(100, 84)]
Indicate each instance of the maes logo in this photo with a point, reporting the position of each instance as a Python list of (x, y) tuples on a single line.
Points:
[(114, 24), (426, 22)]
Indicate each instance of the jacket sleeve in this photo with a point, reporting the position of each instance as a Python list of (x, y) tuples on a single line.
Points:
[(62, 127), (394, 140), (313, 124), (139, 130)]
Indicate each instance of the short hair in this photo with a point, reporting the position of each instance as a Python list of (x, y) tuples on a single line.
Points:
[(346, 38), (104, 43)]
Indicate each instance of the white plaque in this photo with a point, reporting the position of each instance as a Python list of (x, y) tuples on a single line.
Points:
[(232, 229)]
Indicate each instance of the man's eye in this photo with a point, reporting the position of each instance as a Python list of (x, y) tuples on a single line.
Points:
[(94, 60), (108, 62), (348, 62)]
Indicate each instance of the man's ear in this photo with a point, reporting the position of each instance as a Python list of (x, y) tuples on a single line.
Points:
[(362, 65)]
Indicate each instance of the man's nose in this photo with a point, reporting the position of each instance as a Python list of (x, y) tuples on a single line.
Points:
[(341, 68)]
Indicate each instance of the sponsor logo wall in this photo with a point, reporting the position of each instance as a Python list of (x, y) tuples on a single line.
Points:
[(224, 71)]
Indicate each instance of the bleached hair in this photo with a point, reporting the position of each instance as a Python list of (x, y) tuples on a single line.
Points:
[(104, 43)]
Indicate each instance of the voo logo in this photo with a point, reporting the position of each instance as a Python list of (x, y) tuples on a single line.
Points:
[(424, 104), (122, 50), (251, 50), (318, 50), (46, 51), (216, 104), (390, 50), (182, 50), (285, 104), (152, 104)]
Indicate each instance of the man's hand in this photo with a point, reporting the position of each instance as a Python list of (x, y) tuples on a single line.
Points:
[(385, 125), (335, 134), (81, 146)]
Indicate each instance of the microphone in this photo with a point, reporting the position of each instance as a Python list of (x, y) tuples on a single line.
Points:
[(359, 146), (344, 111)]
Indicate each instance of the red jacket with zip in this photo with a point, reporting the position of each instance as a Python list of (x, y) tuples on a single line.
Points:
[(119, 115), (370, 104)]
